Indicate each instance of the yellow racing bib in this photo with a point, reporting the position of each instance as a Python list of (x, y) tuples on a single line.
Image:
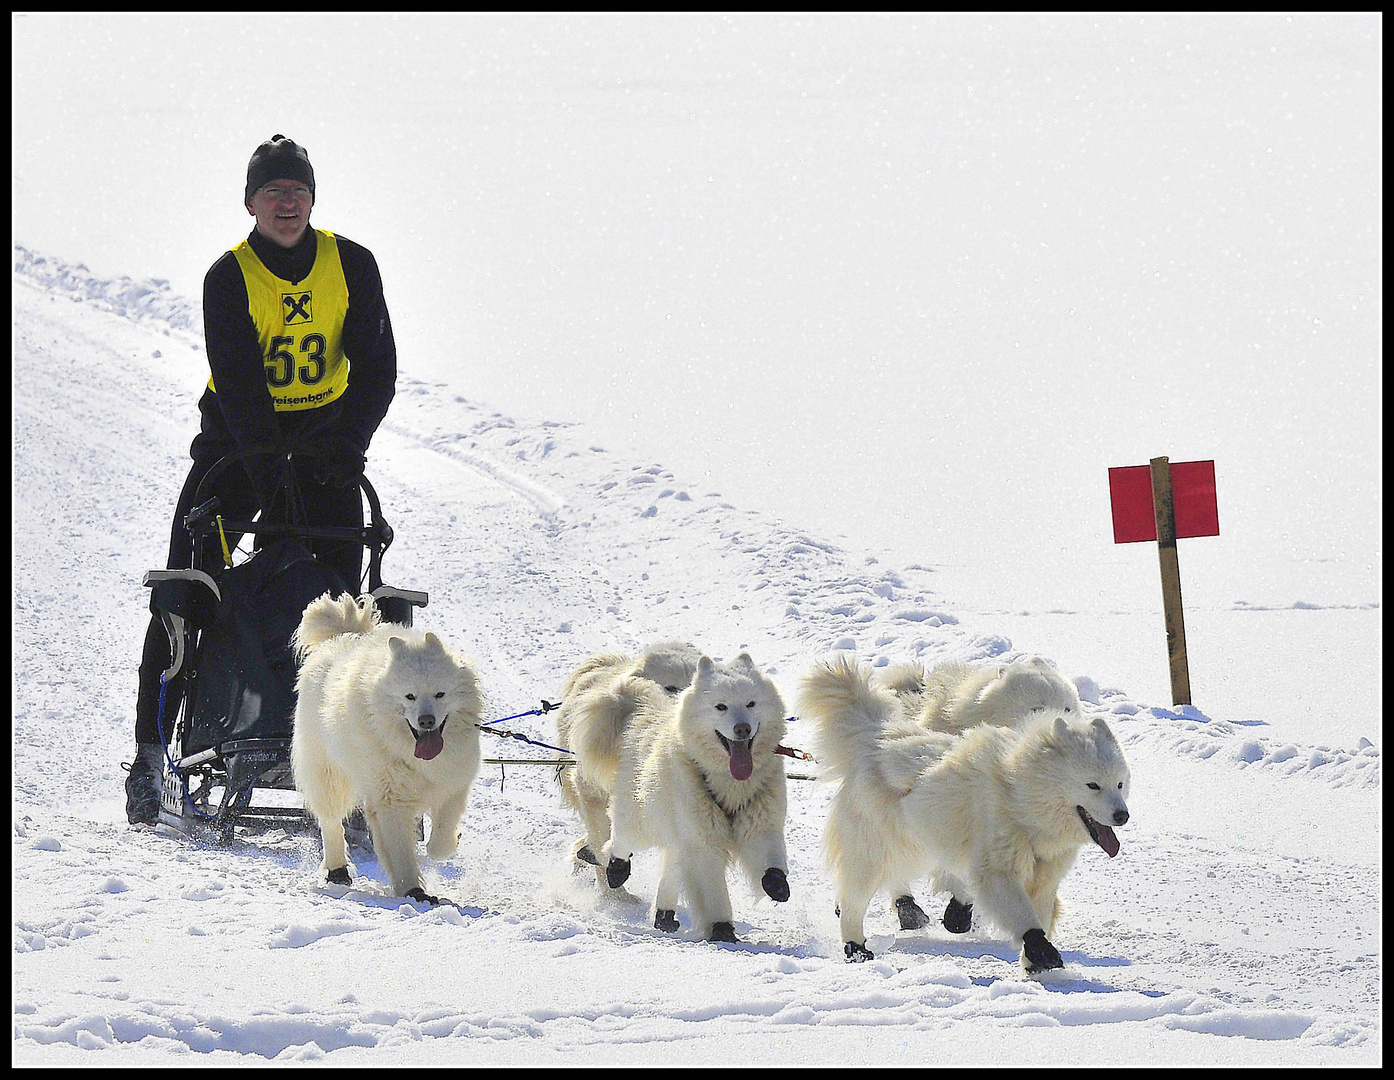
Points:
[(301, 327)]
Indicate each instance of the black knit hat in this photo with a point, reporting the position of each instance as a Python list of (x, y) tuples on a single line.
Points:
[(279, 159)]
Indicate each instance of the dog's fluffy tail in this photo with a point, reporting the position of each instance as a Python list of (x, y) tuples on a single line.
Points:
[(598, 725), (328, 618), (848, 712), (941, 701)]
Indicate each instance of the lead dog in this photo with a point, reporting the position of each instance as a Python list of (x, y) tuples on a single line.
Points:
[(1000, 811), (953, 697)]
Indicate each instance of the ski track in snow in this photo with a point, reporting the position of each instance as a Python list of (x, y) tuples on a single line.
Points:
[(539, 548)]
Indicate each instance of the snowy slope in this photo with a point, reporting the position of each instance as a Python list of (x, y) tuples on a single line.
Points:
[(1241, 925)]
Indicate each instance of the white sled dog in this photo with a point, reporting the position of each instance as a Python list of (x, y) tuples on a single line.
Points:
[(954, 697), (385, 719), (597, 705), (697, 777), (999, 811)]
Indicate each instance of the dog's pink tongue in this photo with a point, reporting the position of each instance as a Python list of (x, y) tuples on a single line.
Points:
[(742, 764), (1104, 837), (429, 744)]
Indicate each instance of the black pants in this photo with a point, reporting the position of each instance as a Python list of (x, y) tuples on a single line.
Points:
[(324, 504)]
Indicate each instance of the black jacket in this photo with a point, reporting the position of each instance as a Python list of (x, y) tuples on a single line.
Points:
[(241, 413)]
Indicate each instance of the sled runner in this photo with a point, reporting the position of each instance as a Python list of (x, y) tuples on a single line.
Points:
[(228, 698)]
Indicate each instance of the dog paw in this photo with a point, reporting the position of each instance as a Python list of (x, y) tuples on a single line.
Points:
[(775, 884), (958, 918), (339, 876), (857, 953), (667, 921), (421, 896), (441, 852), (1039, 953), (912, 916), (724, 931), (617, 872), (586, 855)]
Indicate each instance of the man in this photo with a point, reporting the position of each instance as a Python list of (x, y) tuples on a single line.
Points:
[(300, 349)]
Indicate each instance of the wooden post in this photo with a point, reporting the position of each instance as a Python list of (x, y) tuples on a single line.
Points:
[(1165, 510)]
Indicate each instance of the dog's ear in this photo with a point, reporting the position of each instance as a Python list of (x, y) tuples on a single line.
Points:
[(397, 645), (433, 642), (705, 667), (744, 661), (998, 675), (1062, 727)]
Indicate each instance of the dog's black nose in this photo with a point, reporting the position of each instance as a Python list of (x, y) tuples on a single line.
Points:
[(1120, 817), (742, 732), (426, 722)]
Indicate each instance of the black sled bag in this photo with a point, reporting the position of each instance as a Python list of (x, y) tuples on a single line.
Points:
[(243, 682)]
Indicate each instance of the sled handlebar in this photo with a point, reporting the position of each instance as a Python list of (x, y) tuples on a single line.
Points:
[(375, 536)]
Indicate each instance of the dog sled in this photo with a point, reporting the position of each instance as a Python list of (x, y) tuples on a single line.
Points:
[(228, 697)]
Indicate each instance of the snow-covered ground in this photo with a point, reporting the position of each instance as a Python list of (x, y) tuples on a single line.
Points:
[(1240, 925), (775, 333)]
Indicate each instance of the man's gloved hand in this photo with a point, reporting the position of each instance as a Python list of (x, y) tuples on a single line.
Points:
[(265, 473), (340, 464)]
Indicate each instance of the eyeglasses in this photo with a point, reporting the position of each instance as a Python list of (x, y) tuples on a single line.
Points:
[(300, 193)]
